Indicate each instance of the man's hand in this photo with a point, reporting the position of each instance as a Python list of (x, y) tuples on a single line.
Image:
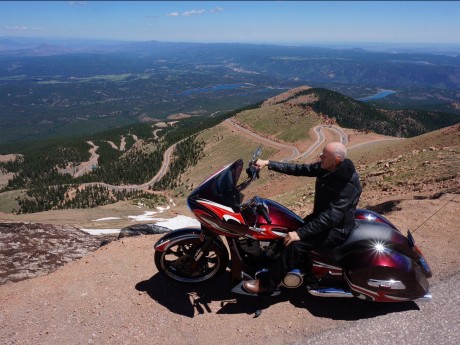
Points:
[(291, 237), (260, 163)]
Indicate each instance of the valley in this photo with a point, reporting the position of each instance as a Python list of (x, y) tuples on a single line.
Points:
[(72, 92), (114, 294)]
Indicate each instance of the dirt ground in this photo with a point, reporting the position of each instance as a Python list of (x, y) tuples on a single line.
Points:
[(114, 295)]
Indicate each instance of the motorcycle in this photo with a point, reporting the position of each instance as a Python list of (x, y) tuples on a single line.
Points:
[(376, 263)]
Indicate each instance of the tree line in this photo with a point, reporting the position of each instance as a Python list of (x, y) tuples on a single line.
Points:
[(45, 198), (350, 113), (39, 171)]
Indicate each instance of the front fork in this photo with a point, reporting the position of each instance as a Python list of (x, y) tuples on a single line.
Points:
[(207, 239)]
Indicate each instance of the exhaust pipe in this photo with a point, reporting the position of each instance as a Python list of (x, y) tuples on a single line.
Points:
[(330, 292)]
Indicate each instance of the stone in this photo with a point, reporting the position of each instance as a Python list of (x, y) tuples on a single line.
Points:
[(142, 229)]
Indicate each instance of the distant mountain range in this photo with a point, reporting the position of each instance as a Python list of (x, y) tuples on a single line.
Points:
[(350, 66), (67, 87)]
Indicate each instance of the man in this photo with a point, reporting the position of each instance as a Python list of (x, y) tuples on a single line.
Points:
[(337, 193)]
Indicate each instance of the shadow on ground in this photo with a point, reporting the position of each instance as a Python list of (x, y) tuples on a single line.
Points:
[(188, 300)]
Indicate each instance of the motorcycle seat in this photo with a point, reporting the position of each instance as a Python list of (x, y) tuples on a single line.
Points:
[(366, 233)]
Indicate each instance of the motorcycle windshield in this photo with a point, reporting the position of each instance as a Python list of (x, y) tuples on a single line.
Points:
[(221, 187)]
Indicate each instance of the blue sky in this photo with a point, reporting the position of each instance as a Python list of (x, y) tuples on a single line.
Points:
[(284, 22)]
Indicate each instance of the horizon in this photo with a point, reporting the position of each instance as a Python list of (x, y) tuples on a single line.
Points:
[(354, 23), (448, 49)]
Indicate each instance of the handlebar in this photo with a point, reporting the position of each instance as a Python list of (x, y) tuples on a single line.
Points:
[(252, 170)]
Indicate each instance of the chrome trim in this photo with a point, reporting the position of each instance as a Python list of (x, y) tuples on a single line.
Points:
[(427, 298), (292, 279), (256, 229), (389, 284), (330, 292)]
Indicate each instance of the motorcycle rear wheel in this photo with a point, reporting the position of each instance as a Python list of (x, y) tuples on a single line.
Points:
[(178, 264)]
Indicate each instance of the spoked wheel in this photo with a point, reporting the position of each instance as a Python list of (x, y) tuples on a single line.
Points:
[(177, 261)]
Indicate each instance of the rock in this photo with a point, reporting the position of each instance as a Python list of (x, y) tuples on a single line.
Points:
[(32, 249), (142, 229), (376, 173)]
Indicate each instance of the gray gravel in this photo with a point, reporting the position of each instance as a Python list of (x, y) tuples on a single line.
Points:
[(437, 322)]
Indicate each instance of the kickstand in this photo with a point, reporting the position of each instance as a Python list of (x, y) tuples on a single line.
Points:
[(261, 303)]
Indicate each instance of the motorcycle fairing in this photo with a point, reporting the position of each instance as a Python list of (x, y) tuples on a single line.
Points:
[(220, 218), (283, 221), (221, 187)]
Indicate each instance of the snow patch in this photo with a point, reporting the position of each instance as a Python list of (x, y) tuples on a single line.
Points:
[(170, 223), (147, 216), (107, 218), (178, 222), (102, 231)]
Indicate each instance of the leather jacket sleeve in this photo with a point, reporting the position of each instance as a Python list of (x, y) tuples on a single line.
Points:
[(295, 169)]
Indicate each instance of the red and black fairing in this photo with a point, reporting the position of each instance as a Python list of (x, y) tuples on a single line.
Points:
[(217, 205), (216, 202), (282, 221)]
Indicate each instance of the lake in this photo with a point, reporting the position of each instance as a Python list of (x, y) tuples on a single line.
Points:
[(379, 95)]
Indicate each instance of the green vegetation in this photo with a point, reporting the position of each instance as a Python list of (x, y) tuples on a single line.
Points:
[(41, 199), (186, 154), (353, 114), (289, 124), (48, 186), (44, 169)]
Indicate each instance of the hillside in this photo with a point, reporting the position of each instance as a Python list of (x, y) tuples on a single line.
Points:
[(115, 294), (126, 163)]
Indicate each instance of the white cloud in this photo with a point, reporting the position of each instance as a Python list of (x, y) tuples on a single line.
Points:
[(23, 28), (193, 13), (78, 3), (216, 9)]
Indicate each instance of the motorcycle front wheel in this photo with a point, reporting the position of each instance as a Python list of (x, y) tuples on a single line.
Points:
[(177, 261)]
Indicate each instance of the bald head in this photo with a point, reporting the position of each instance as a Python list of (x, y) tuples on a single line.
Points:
[(338, 150), (333, 154)]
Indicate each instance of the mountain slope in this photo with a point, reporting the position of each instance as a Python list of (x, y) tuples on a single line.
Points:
[(350, 113)]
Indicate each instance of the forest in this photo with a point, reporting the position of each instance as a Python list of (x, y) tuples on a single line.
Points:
[(43, 169), (39, 170)]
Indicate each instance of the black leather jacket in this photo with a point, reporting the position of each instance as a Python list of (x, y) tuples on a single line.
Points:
[(336, 196)]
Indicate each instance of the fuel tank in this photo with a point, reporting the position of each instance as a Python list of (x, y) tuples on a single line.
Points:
[(282, 221)]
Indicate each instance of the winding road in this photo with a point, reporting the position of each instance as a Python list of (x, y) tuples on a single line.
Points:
[(295, 154)]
